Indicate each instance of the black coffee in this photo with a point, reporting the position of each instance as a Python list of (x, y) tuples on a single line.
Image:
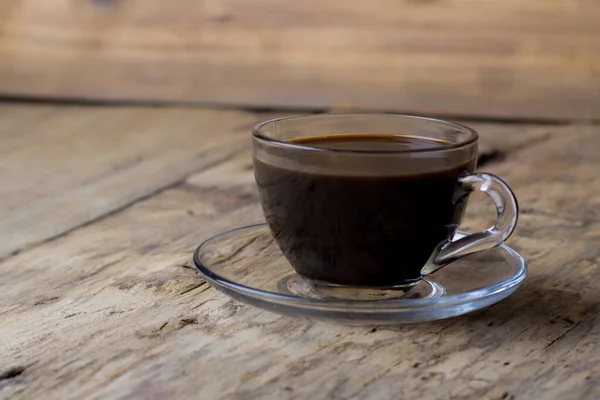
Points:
[(362, 230)]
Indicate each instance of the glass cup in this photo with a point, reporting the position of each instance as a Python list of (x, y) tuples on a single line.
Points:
[(375, 217)]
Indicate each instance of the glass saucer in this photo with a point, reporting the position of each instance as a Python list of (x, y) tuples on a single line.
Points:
[(246, 264)]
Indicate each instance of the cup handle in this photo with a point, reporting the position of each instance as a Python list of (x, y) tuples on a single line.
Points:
[(507, 208)]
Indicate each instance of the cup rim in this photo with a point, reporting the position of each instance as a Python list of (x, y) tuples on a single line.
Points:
[(257, 134)]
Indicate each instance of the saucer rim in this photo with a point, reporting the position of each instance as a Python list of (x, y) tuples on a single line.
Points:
[(394, 305)]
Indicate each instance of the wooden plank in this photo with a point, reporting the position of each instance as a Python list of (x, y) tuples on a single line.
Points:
[(122, 315), (510, 59), (61, 167)]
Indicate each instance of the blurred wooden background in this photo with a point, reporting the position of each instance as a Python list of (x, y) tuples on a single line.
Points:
[(517, 59)]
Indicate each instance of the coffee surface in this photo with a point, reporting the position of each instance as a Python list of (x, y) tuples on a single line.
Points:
[(361, 230), (370, 142)]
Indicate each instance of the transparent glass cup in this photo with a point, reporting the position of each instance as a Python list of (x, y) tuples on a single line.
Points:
[(373, 217)]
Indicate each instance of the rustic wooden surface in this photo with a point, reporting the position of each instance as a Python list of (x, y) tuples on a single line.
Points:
[(62, 167), (513, 59), (105, 304)]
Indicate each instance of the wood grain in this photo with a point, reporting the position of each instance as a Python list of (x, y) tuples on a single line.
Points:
[(114, 310), (511, 59), (61, 167)]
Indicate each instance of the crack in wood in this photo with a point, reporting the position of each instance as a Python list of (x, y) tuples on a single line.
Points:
[(101, 217), (74, 101), (201, 303), (12, 373), (117, 103), (491, 157), (444, 328), (186, 265), (495, 155), (183, 322), (194, 287), (45, 300), (123, 207), (562, 336), (533, 142)]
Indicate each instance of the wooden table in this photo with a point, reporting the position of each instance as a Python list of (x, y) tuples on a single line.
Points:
[(102, 207), (125, 141)]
